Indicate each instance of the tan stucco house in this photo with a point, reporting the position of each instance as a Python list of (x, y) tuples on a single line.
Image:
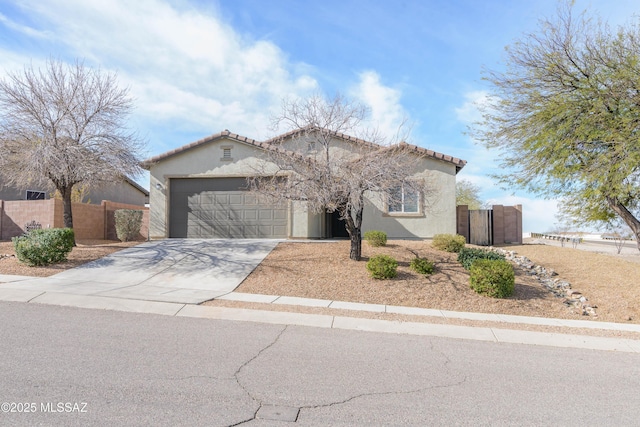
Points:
[(199, 190), (126, 191)]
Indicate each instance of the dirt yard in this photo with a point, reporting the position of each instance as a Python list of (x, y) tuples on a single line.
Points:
[(85, 251), (322, 270)]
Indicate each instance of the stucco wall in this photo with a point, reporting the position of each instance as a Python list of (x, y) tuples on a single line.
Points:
[(437, 213), (120, 192)]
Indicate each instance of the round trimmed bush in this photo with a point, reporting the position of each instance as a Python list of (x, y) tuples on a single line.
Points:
[(422, 266), (44, 246), (448, 242), (382, 267), (375, 238), (494, 278)]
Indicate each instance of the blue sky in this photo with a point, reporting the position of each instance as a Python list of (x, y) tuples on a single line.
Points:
[(198, 67)]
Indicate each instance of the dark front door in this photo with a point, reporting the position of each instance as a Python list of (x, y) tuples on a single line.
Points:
[(336, 228)]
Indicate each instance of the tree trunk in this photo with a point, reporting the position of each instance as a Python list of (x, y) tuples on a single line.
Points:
[(353, 224), (67, 217), (627, 217), (356, 245)]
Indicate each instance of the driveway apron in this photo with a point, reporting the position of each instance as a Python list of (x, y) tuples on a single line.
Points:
[(188, 271)]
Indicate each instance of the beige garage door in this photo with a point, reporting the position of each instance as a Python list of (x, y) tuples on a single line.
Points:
[(221, 208)]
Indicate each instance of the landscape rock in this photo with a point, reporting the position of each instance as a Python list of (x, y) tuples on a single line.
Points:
[(560, 288)]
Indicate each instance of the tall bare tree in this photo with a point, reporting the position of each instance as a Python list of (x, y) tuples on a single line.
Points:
[(318, 163), (65, 124)]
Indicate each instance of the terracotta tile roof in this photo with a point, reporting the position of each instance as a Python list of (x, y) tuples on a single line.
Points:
[(273, 144), (224, 134), (439, 156), (293, 133)]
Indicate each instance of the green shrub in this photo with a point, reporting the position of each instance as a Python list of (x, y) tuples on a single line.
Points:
[(128, 224), (44, 246), (448, 242), (467, 256), (422, 266), (382, 267), (376, 238), (494, 278)]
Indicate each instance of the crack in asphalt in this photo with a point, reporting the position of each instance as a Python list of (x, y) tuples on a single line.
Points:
[(247, 363), (445, 364), (383, 393), (447, 360)]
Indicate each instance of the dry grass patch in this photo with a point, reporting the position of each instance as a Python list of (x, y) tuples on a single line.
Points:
[(85, 251), (323, 270)]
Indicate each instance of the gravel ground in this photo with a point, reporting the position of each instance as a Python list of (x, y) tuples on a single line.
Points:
[(85, 251), (323, 270)]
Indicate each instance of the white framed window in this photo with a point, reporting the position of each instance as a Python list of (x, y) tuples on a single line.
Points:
[(404, 199)]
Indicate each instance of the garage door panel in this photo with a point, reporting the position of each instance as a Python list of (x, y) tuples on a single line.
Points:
[(279, 230), (236, 200), (250, 200), (220, 208), (250, 214)]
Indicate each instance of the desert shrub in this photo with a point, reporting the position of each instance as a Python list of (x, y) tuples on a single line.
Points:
[(128, 224), (467, 256), (422, 266), (44, 246), (376, 238), (382, 267), (494, 278), (448, 242)]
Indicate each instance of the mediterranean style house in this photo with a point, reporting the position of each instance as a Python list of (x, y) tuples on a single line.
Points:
[(200, 190)]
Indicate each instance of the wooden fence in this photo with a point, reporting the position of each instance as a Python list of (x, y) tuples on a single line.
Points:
[(485, 227)]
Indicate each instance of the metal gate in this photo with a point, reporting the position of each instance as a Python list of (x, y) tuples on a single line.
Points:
[(481, 227)]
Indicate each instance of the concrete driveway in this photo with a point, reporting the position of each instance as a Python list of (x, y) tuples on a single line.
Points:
[(187, 271)]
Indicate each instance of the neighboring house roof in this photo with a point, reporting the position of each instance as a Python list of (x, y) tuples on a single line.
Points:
[(272, 144)]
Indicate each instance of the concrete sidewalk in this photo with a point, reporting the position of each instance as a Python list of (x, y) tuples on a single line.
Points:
[(187, 271), (497, 335)]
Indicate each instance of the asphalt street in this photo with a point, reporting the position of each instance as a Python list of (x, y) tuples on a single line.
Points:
[(79, 367)]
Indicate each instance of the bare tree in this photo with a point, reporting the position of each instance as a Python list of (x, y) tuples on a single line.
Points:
[(65, 124), (319, 164)]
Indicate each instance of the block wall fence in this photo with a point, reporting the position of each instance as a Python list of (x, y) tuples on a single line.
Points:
[(89, 221)]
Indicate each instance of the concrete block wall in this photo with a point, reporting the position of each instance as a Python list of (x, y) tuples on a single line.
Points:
[(512, 224), (110, 220), (16, 214), (89, 221)]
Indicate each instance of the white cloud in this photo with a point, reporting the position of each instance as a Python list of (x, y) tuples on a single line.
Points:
[(186, 68), (470, 111), (387, 113)]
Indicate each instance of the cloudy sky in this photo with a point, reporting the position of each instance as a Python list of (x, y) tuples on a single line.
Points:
[(196, 68)]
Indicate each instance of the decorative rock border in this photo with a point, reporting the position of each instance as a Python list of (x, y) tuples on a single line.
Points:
[(560, 288)]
